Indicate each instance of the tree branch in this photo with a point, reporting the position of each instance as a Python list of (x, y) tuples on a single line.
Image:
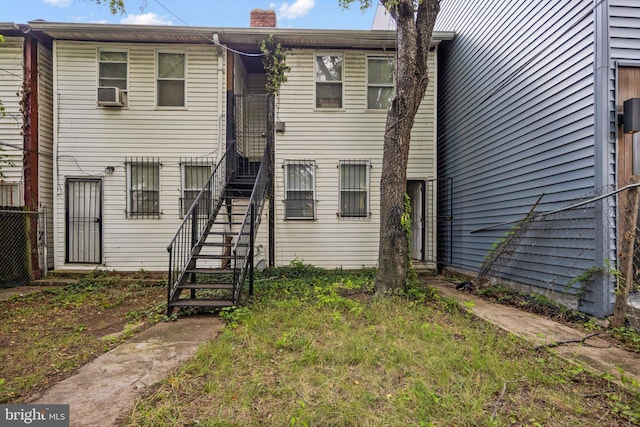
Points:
[(559, 343)]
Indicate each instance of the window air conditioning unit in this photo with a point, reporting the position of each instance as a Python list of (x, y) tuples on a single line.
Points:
[(110, 97)]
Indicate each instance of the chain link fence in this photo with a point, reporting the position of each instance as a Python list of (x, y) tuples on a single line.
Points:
[(23, 246), (555, 251)]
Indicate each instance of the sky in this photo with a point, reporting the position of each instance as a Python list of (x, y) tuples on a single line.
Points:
[(307, 14)]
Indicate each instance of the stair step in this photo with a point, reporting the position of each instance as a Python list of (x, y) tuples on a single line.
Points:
[(226, 233), (237, 210), (234, 214), (210, 270), (238, 205), (211, 286), (237, 183), (205, 303), (220, 244), (226, 222), (208, 256)]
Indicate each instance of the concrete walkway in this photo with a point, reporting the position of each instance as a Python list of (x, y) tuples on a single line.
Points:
[(107, 387), (596, 355)]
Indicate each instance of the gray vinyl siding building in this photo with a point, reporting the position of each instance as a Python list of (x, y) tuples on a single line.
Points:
[(528, 99)]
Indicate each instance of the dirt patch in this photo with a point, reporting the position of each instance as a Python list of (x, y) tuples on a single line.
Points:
[(47, 334), (8, 293)]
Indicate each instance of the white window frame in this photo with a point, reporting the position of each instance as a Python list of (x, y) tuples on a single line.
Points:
[(183, 173), (367, 188), (130, 204), (379, 85), (183, 79), (11, 194), (100, 61), (332, 82), (125, 91), (313, 167)]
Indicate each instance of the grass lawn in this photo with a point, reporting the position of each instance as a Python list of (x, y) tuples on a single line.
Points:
[(46, 335), (315, 349)]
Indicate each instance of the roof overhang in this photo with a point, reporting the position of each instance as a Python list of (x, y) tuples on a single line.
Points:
[(248, 38), (10, 29)]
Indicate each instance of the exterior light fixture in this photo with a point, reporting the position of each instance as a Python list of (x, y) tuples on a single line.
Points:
[(631, 116)]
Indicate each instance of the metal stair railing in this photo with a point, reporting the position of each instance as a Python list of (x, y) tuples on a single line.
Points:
[(243, 249), (195, 225)]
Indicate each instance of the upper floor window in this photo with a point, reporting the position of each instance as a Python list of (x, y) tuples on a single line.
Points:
[(300, 189), (171, 79), (380, 85), (113, 69), (328, 77), (143, 188), (354, 188)]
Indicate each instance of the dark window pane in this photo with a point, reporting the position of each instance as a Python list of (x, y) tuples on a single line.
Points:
[(299, 208), (328, 95), (113, 70), (353, 204), (171, 93)]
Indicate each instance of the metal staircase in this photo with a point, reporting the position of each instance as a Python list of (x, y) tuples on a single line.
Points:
[(211, 256)]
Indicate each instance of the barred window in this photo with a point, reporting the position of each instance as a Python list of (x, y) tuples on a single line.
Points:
[(112, 69), (300, 189), (328, 81), (143, 187), (10, 194), (195, 175), (354, 188), (380, 86), (171, 79)]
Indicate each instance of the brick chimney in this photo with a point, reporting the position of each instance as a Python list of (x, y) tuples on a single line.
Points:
[(261, 18)]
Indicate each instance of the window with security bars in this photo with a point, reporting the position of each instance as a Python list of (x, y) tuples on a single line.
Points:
[(380, 85), (354, 188), (10, 194), (112, 69), (143, 187), (195, 175), (171, 80), (300, 189)]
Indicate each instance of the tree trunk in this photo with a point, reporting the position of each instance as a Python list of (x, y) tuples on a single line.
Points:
[(414, 30)]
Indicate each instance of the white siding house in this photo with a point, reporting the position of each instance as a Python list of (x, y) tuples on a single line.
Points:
[(119, 168), (11, 72), (325, 138), (97, 145)]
